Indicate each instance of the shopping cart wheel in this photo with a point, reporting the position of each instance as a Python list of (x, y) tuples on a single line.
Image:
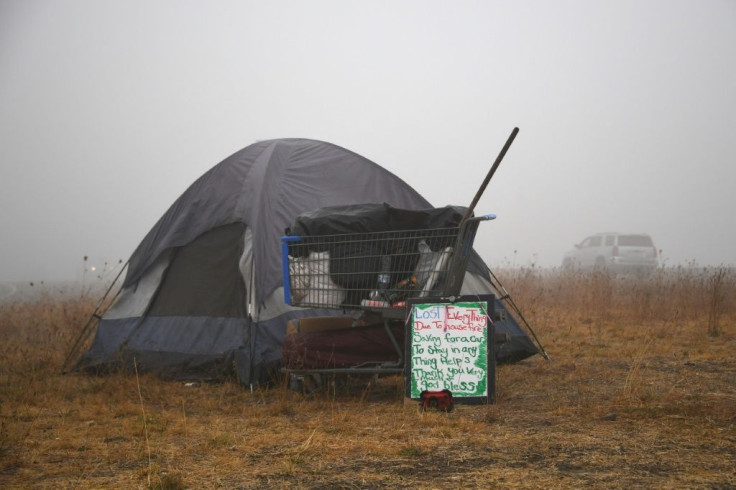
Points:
[(306, 384)]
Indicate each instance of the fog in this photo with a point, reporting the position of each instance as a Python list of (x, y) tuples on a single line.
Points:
[(109, 110)]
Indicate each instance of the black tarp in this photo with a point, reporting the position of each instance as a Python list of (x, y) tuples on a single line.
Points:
[(379, 218), (373, 218)]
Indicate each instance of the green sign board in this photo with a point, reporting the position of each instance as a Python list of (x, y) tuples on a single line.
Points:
[(448, 348)]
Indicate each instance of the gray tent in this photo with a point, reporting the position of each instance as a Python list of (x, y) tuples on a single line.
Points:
[(203, 295)]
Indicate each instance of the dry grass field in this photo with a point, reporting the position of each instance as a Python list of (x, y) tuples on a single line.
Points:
[(640, 392)]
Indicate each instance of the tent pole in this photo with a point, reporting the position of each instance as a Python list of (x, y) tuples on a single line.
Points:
[(84, 333), (492, 171), (508, 299)]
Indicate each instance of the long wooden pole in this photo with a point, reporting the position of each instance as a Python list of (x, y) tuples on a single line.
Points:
[(483, 186)]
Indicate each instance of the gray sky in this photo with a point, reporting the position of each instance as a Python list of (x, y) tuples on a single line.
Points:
[(109, 110)]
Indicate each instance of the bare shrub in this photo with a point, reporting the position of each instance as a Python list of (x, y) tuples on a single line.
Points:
[(718, 285), (667, 295)]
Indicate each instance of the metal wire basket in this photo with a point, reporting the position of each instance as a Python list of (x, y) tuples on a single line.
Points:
[(376, 270)]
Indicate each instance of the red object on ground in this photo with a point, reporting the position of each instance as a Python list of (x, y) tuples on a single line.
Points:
[(441, 400)]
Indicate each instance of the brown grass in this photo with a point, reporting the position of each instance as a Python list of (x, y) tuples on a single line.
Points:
[(640, 392)]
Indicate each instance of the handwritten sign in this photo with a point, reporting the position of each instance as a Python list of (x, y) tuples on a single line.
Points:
[(448, 348)]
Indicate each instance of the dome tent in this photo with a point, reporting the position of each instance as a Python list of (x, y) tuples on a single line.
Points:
[(203, 295)]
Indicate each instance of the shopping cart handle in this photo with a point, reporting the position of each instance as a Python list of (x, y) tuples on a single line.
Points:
[(485, 217)]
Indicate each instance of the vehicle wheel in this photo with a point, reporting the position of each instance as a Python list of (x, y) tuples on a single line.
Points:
[(567, 264), (600, 263)]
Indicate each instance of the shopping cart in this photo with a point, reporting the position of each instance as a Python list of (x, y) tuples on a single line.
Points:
[(377, 270), (375, 273)]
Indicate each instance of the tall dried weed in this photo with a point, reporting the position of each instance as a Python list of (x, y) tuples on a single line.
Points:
[(654, 352)]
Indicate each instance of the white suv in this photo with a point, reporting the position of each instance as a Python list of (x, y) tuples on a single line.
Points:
[(619, 252)]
